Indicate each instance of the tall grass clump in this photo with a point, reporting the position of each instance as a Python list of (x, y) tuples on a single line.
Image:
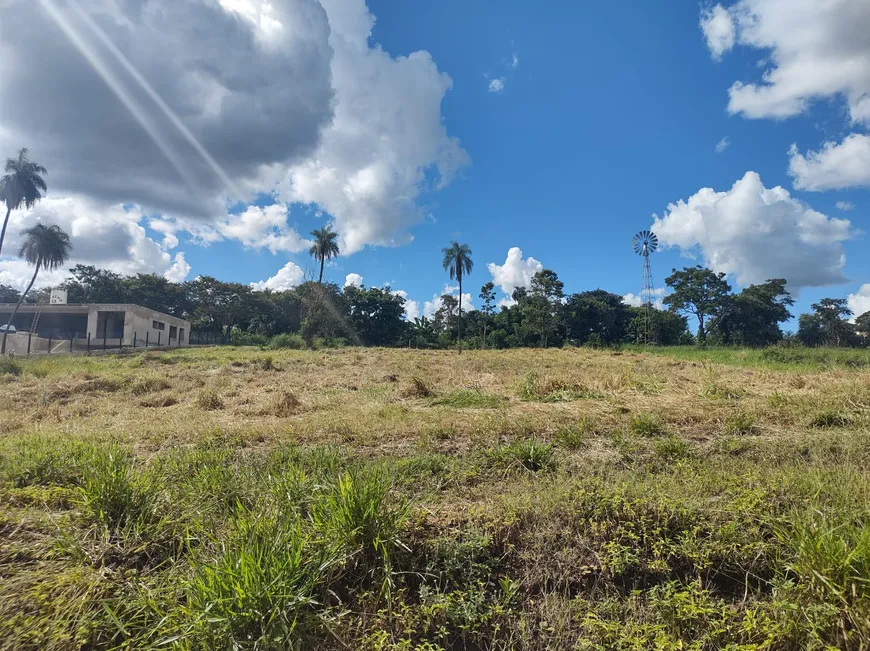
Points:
[(39, 461), (531, 454), (359, 515), (117, 495), (9, 366), (536, 389), (648, 425), (263, 589)]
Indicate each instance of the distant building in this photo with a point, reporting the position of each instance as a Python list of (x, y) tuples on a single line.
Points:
[(120, 324)]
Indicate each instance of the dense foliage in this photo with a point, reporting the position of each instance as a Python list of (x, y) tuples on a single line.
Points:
[(543, 315)]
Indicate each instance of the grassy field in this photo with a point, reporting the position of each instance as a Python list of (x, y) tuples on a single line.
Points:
[(393, 499)]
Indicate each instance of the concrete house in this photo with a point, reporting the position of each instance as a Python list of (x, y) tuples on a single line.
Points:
[(117, 325)]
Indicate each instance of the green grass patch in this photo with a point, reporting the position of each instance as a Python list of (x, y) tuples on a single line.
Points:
[(469, 399)]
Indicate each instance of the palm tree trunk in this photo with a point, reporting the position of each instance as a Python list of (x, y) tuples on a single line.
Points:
[(18, 305), (320, 280), (5, 223), (459, 323)]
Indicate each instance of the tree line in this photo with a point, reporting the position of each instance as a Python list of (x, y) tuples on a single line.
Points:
[(541, 315)]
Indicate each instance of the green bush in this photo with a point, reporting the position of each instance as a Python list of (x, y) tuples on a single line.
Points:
[(242, 338), (9, 366), (287, 340), (741, 424)]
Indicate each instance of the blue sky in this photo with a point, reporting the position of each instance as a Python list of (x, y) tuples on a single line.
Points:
[(605, 113)]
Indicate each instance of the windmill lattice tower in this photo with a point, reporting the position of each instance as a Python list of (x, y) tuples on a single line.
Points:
[(644, 243)]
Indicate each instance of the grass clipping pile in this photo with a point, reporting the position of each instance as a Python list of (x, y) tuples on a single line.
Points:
[(394, 499)]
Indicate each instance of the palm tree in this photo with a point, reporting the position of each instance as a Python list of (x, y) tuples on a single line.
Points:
[(324, 248), (45, 247), (457, 262), (22, 183)]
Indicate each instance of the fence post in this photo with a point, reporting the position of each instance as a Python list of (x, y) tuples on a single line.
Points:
[(105, 332), (70, 343), (29, 335), (49, 344), (134, 340), (89, 343), (158, 338), (146, 339)]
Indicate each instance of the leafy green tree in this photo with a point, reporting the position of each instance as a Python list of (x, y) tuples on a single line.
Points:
[(487, 297), (324, 313), (376, 315), (156, 293), (810, 331), (597, 316), (862, 325), (218, 305), (668, 328), (91, 285), (542, 307), (22, 184), (457, 262), (324, 248), (423, 333), (446, 316), (9, 294), (752, 317), (44, 247), (832, 312), (698, 291)]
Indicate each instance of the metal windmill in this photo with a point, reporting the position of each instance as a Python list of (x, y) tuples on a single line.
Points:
[(645, 243)]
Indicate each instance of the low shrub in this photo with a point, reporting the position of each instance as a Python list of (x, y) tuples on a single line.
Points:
[(287, 340)]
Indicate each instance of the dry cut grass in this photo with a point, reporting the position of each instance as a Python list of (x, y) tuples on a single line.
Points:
[(397, 499)]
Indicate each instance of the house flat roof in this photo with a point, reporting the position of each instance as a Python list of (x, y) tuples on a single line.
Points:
[(84, 308)]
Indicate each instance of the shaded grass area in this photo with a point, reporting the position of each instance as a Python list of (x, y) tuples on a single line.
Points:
[(796, 357), (397, 500)]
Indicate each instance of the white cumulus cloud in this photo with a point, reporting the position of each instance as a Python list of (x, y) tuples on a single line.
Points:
[(635, 300), (109, 236), (178, 271), (816, 49), (515, 272), (845, 206), (386, 134), (758, 233), (859, 302), (719, 30), (353, 279), (834, 166), (263, 227), (288, 277), (723, 144), (430, 307), (412, 308)]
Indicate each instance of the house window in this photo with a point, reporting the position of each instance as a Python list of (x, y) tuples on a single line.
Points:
[(158, 325), (173, 331), (180, 335)]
